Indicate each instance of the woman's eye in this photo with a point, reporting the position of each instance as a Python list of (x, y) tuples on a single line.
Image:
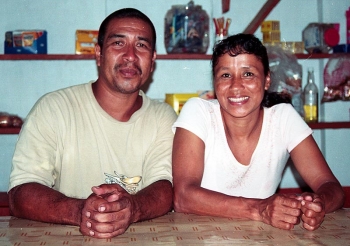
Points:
[(225, 75), (248, 74)]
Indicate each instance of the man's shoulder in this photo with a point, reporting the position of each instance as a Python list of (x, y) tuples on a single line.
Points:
[(159, 107), (65, 92)]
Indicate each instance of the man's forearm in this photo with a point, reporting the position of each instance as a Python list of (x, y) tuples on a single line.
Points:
[(153, 201), (38, 202)]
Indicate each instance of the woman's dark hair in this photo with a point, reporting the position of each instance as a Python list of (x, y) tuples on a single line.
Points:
[(248, 44), (121, 14)]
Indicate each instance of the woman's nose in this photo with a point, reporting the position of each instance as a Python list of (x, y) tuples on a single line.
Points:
[(236, 83)]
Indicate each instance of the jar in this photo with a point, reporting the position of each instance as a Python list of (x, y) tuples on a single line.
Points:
[(186, 29), (321, 37)]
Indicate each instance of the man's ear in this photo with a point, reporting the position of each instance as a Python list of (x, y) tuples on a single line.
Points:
[(98, 54), (153, 60)]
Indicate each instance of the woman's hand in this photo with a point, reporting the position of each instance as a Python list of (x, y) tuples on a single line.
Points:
[(313, 211), (281, 211)]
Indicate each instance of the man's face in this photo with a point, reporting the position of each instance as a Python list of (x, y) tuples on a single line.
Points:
[(127, 59)]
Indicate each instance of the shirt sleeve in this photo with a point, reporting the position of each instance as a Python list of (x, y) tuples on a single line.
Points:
[(158, 158), (193, 117), (33, 157), (295, 128)]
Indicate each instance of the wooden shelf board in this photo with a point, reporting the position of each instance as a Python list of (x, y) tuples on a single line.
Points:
[(18, 57), (9, 130)]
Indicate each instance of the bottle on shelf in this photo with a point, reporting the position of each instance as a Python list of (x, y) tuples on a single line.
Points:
[(310, 96)]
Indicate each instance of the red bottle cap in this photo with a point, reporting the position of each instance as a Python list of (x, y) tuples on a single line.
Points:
[(331, 37)]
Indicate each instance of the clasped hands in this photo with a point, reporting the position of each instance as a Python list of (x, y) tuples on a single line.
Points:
[(285, 211), (107, 212)]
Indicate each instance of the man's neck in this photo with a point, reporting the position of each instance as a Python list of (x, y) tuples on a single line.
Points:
[(118, 105)]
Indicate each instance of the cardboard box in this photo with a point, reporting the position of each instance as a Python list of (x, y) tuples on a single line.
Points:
[(25, 42), (270, 25), (178, 100), (273, 36), (85, 41)]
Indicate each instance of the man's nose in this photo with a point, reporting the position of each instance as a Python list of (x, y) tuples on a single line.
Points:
[(130, 53)]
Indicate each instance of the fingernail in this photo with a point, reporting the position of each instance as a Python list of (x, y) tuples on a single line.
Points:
[(102, 208), (302, 202), (88, 214), (88, 224), (91, 233)]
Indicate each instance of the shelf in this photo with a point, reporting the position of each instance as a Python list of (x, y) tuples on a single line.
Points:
[(159, 57), (330, 125), (9, 130), (319, 125), (47, 57)]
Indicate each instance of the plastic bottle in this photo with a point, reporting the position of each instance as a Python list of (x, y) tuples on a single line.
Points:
[(310, 98), (347, 14)]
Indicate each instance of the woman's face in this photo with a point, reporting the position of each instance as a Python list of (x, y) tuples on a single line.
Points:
[(240, 84)]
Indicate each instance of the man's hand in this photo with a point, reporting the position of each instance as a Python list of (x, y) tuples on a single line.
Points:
[(281, 211), (108, 212), (313, 212)]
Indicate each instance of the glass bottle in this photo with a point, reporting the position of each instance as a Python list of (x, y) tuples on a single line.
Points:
[(310, 98), (186, 29)]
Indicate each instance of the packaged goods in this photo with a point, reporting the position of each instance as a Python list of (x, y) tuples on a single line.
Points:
[(177, 100), (26, 42), (186, 29), (321, 37), (292, 47), (272, 36), (85, 41), (336, 77), (270, 25), (286, 75)]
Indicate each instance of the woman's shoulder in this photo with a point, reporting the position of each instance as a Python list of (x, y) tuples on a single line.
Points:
[(281, 108), (200, 102)]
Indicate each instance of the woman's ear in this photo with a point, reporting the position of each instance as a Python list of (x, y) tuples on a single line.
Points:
[(267, 81)]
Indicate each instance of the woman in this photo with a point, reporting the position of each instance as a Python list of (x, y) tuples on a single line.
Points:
[(229, 153)]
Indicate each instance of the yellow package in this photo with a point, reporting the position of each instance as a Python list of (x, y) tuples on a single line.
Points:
[(85, 41), (270, 25), (178, 100)]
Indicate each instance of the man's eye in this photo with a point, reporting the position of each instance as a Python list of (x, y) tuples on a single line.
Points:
[(118, 42), (248, 74), (142, 45)]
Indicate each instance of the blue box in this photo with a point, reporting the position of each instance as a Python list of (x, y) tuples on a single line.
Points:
[(25, 42)]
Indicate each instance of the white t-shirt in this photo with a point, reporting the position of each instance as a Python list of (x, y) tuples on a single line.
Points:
[(70, 143), (282, 130)]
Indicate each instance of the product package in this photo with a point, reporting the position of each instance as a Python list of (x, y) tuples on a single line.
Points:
[(286, 75), (177, 100), (85, 41), (336, 76), (25, 42)]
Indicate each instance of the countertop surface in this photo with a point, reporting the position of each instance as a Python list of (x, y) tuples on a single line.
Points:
[(181, 229)]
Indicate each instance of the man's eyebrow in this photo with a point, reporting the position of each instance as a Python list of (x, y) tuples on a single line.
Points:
[(141, 38), (116, 36)]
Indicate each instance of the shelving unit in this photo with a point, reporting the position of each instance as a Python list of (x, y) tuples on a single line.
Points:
[(18, 57)]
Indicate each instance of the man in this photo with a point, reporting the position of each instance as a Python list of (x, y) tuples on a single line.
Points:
[(106, 131)]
